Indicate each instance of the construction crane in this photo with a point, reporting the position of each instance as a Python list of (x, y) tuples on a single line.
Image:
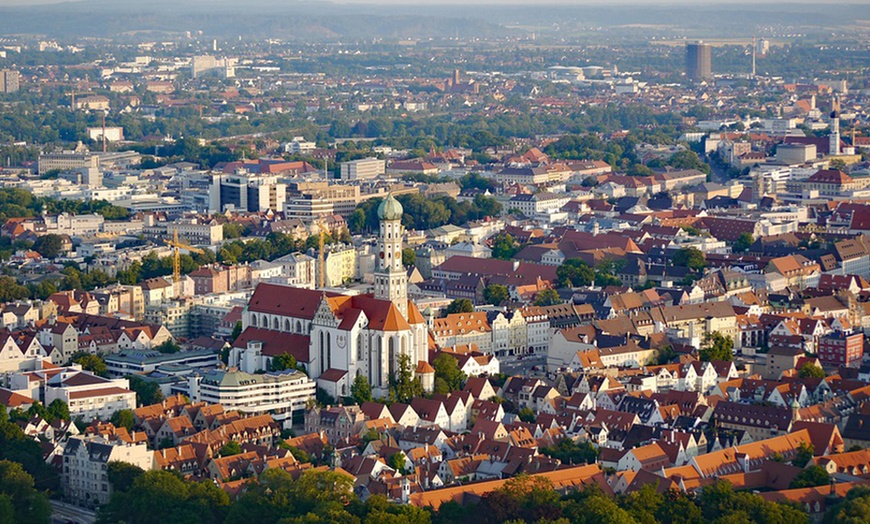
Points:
[(73, 98), (176, 259)]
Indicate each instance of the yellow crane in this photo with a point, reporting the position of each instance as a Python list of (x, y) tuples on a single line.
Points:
[(176, 259)]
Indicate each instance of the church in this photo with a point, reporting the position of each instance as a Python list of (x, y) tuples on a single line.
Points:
[(339, 337)]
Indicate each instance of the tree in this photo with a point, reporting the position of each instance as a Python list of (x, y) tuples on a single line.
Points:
[(162, 496), (496, 294), (804, 455), (810, 370), (57, 410), (447, 369), (361, 390), (855, 509), (810, 477), (19, 499), (574, 273), (49, 246), (527, 415), (547, 297), (233, 230), (570, 452), (147, 392), (123, 418), (357, 221), (283, 361), (169, 346), (717, 347), (123, 474), (690, 257), (397, 462), (504, 246), (743, 242), (404, 385), (460, 305), (409, 257), (89, 362), (237, 330), (230, 448)]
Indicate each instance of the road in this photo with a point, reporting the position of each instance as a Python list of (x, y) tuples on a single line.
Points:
[(512, 365), (63, 513)]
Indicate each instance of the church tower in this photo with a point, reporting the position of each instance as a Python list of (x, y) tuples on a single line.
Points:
[(391, 280)]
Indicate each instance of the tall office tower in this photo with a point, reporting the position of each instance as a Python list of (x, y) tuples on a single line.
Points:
[(9, 81), (699, 61)]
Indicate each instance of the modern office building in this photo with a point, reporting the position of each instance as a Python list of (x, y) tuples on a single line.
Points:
[(363, 169), (699, 63), (252, 192)]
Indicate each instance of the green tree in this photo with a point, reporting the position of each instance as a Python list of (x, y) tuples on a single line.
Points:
[(397, 462), (810, 370), (460, 305), (162, 496), (230, 448), (527, 415), (89, 362), (404, 386), (237, 330), (716, 346), (811, 477), (570, 452), (547, 297), (496, 294), (122, 475), (49, 246), (574, 273), (690, 257), (357, 221), (147, 392), (169, 346), (409, 258), (19, 500), (743, 242), (233, 230), (57, 410), (447, 369), (504, 246), (804, 455), (854, 509), (283, 361), (123, 418), (361, 390)]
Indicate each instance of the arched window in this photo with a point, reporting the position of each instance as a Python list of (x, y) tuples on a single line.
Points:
[(392, 356), (287, 325), (264, 321), (254, 320), (275, 323), (299, 326), (328, 351), (322, 358)]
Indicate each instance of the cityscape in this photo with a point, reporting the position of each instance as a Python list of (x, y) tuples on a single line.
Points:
[(438, 263)]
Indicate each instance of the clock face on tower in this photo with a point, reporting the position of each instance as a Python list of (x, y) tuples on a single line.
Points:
[(342, 340)]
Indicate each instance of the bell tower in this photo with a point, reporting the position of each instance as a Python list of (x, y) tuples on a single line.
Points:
[(391, 280)]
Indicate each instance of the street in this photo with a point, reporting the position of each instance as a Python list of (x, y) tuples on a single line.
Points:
[(64, 513)]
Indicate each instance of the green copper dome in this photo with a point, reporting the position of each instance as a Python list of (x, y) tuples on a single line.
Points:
[(390, 209)]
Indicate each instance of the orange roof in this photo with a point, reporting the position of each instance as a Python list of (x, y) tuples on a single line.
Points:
[(561, 479)]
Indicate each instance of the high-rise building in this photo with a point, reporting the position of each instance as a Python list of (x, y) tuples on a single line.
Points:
[(699, 61), (9, 81)]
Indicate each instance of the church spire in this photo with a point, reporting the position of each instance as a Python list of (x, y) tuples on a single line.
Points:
[(391, 280)]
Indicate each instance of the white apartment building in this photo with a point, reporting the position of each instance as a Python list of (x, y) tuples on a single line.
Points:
[(538, 204), (86, 463), (279, 393), (298, 269), (299, 146), (363, 169), (87, 395)]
